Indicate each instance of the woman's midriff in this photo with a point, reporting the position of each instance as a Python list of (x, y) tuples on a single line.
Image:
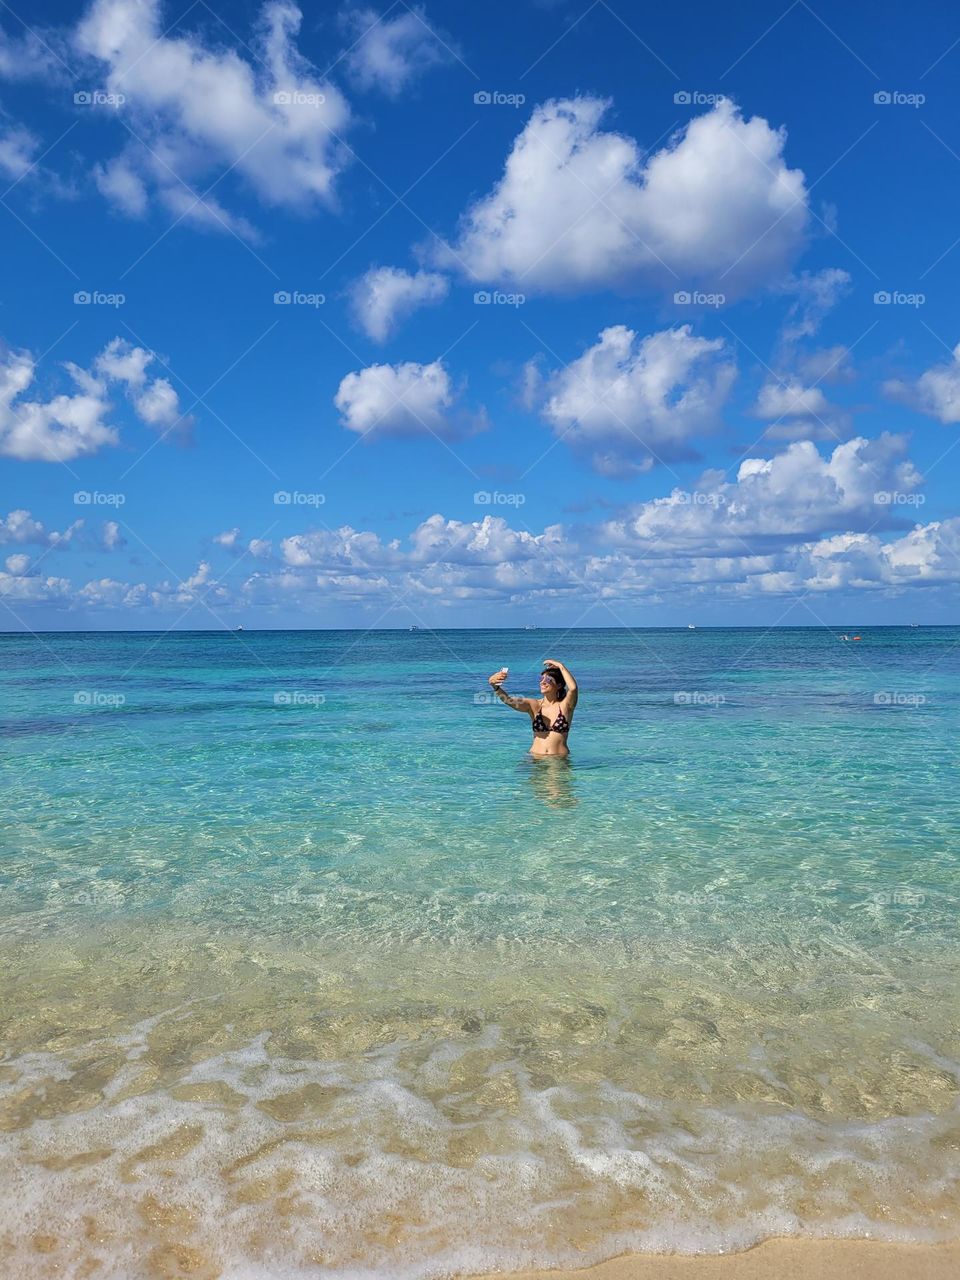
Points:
[(544, 747)]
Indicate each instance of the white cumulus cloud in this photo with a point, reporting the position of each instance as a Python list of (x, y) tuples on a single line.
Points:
[(201, 108), (55, 430), (799, 524), (631, 400), (121, 362), (796, 495), (154, 399), (158, 405), (579, 208), (25, 589), (406, 399), (20, 527), (75, 425)]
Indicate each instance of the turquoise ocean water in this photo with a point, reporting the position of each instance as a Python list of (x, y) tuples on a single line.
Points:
[(309, 968)]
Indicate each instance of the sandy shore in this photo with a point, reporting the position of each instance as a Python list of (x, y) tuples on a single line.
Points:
[(782, 1260)]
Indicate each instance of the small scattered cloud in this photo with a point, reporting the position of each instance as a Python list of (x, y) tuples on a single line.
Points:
[(797, 411), (826, 364), (936, 392), (158, 405), (406, 399), (20, 527), (75, 425), (815, 294), (154, 400), (18, 151), (28, 57), (21, 154), (389, 53), (385, 295), (60, 429), (108, 593), (111, 537), (119, 182), (791, 397)]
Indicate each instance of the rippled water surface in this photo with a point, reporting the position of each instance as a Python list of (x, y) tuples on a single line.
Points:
[(308, 967)]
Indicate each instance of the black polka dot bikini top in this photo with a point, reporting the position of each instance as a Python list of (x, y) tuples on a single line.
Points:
[(560, 725)]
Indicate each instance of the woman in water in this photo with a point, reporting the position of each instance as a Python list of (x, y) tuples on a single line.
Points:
[(551, 713)]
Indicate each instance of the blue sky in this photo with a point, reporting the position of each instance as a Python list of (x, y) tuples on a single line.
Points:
[(686, 399)]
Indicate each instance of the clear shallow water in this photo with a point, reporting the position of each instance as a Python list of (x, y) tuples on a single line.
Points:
[(308, 967)]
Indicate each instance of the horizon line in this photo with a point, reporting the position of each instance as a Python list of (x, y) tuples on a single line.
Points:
[(229, 631)]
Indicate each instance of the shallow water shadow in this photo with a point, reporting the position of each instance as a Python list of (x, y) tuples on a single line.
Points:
[(552, 781)]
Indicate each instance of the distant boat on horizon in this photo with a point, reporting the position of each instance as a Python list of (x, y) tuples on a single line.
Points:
[(691, 627)]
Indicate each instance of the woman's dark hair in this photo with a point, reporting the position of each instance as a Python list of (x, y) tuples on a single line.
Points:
[(558, 676)]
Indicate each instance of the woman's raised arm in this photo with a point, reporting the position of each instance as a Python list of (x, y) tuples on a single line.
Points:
[(568, 678), (513, 700)]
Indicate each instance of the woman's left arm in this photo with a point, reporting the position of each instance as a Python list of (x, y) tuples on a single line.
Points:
[(567, 674)]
